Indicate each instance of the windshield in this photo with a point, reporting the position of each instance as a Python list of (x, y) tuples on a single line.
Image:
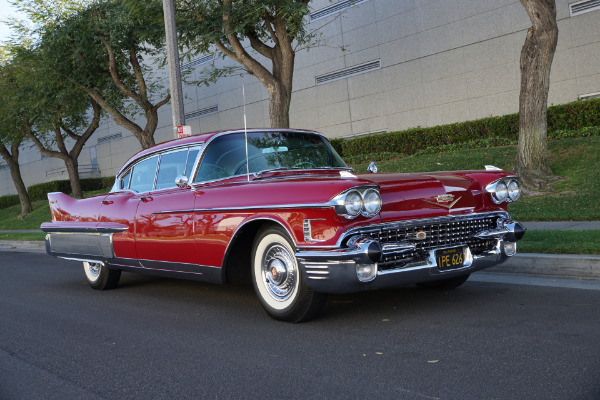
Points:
[(226, 155)]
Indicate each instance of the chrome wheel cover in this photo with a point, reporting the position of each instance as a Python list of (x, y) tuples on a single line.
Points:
[(92, 270), (279, 272)]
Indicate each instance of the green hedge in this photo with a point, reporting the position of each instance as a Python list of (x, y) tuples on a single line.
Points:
[(40, 191), (9, 201), (565, 117)]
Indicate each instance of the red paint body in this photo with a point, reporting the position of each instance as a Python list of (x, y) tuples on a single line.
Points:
[(206, 216)]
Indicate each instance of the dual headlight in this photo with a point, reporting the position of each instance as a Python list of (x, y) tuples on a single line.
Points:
[(358, 201), (504, 190)]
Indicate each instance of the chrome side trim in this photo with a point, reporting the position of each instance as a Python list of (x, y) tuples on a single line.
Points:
[(76, 228), (307, 228)]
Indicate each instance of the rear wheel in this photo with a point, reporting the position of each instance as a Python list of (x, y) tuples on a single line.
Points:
[(278, 281), (100, 277), (445, 284)]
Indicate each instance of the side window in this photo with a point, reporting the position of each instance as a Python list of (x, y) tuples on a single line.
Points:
[(221, 158), (190, 162), (124, 181), (171, 165), (143, 174)]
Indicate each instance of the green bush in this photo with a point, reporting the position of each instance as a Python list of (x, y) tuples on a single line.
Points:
[(574, 118), (40, 191), (9, 201)]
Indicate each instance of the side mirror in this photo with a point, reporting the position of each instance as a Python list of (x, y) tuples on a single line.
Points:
[(372, 168), (181, 181)]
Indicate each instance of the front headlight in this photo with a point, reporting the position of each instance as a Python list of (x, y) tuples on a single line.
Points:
[(372, 202), (353, 203), (359, 200), (504, 190), (501, 192), (514, 190)]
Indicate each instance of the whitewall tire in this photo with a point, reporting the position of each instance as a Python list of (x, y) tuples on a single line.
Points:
[(100, 277), (278, 281)]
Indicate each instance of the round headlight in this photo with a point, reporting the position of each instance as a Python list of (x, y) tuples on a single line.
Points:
[(372, 202), (501, 192), (353, 203), (514, 190)]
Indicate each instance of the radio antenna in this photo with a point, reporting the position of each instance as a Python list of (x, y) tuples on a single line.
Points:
[(246, 133)]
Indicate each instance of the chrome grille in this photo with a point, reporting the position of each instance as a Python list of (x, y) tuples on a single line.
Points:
[(440, 233)]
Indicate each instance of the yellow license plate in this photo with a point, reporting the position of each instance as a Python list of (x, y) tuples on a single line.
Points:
[(450, 258)]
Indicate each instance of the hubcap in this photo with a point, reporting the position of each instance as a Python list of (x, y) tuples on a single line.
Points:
[(94, 269), (279, 272)]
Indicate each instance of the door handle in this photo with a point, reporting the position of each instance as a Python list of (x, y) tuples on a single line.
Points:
[(146, 199), (107, 202)]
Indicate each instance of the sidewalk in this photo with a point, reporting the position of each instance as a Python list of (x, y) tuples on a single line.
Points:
[(564, 265)]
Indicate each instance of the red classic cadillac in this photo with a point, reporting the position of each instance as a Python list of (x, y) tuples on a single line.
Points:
[(281, 208)]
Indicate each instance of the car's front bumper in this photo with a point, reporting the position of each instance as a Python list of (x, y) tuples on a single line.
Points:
[(335, 270)]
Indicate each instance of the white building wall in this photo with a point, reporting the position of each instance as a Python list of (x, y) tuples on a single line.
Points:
[(442, 61)]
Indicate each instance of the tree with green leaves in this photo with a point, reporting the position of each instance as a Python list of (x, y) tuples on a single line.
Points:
[(532, 163), (108, 54), (53, 114), (12, 129), (272, 28)]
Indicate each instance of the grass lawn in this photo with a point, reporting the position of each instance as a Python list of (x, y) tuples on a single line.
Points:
[(560, 242), (9, 217), (575, 196)]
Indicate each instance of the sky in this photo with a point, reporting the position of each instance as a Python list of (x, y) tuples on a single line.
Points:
[(6, 11)]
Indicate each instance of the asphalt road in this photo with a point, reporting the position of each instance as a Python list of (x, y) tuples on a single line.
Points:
[(497, 337)]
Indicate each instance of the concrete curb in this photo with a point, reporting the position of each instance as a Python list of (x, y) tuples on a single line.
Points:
[(571, 265)]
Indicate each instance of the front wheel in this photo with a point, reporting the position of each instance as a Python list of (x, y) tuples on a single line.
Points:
[(100, 277), (278, 281), (445, 284)]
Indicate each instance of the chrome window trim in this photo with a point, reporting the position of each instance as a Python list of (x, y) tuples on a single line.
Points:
[(159, 154)]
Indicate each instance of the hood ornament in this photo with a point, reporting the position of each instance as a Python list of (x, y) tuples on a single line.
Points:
[(444, 200)]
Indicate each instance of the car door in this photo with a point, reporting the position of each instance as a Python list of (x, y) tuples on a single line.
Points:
[(120, 206), (164, 235)]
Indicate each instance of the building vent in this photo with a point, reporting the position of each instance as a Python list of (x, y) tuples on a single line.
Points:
[(203, 112), (197, 61), (582, 7), (110, 138), (347, 72), (334, 8), (589, 96)]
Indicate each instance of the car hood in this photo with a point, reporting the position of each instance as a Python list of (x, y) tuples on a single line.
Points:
[(409, 196)]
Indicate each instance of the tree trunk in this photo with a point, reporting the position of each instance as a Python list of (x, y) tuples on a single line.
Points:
[(280, 96), (72, 169), (532, 163), (15, 172), (279, 107)]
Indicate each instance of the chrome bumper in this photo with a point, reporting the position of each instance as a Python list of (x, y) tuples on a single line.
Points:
[(335, 271)]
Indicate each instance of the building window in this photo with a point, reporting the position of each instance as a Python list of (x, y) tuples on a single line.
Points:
[(589, 96), (197, 61), (334, 8), (347, 72), (202, 112), (110, 138), (582, 7)]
